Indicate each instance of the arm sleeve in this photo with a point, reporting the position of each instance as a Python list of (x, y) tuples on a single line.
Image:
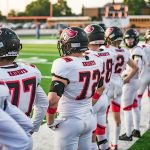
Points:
[(60, 69), (40, 107)]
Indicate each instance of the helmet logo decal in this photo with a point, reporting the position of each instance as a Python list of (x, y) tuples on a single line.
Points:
[(108, 32), (70, 33), (89, 29)]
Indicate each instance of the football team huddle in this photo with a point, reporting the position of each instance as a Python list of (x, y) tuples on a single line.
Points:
[(93, 75)]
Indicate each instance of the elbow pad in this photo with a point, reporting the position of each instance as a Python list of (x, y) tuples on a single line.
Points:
[(57, 87)]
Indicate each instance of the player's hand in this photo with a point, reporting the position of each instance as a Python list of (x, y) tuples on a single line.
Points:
[(56, 123)]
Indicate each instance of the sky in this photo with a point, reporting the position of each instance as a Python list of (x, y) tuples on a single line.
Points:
[(75, 5)]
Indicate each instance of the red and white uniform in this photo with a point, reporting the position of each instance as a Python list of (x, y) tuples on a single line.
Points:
[(75, 105), (101, 105), (130, 89), (14, 124), (144, 77), (23, 82), (115, 90), (108, 60)]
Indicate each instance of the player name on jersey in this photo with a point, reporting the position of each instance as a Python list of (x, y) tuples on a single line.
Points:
[(102, 54), (89, 63), (17, 72)]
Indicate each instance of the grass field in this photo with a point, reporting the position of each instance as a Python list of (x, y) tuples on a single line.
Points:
[(42, 56)]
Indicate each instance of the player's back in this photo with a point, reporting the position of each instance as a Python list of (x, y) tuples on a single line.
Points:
[(121, 58), (22, 80), (82, 74), (108, 59)]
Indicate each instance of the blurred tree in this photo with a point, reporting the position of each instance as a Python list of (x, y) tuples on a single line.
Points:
[(2, 18), (12, 13), (61, 9), (135, 6), (38, 8), (21, 14)]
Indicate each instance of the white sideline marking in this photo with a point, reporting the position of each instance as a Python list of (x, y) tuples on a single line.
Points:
[(47, 77), (36, 54)]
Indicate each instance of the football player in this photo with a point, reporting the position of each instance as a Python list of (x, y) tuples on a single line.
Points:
[(144, 77), (96, 39), (114, 37), (12, 136), (129, 103), (75, 77), (22, 79)]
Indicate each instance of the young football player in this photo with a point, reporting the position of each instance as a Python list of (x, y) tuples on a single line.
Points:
[(114, 38), (75, 78), (129, 103), (22, 79), (96, 40), (12, 135)]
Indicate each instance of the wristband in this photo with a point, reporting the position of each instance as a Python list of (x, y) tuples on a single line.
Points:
[(96, 96), (51, 110)]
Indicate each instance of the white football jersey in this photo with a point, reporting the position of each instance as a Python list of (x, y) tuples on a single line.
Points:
[(22, 80), (82, 74), (4, 94), (146, 49), (136, 51), (122, 56), (108, 59)]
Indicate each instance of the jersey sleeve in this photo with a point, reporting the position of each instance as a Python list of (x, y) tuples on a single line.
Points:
[(4, 95), (138, 51), (40, 107), (60, 69), (38, 75)]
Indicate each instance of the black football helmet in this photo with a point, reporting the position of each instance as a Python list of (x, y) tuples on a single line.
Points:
[(72, 40), (131, 34), (113, 34), (95, 34), (103, 26), (9, 43), (147, 35)]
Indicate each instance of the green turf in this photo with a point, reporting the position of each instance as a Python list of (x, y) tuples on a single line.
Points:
[(41, 37), (143, 143)]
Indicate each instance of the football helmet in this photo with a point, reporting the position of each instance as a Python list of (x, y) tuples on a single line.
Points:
[(113, 34), (103, 26), (147, 34), (9, 43), (131, 38), (95, 34), (72, 40)]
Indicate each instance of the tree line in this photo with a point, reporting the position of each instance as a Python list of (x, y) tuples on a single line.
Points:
[(42, 8)]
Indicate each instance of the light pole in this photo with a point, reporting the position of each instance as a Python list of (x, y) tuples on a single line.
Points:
[(51, 9)]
